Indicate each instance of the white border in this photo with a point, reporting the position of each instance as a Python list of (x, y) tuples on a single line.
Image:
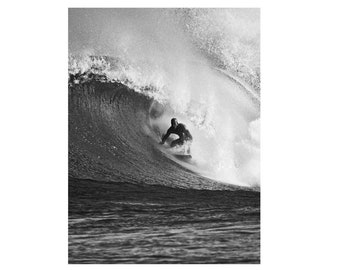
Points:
[(300, 132)]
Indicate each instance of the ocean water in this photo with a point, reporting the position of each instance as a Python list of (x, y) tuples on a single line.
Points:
[(131, 223), (130, 199)]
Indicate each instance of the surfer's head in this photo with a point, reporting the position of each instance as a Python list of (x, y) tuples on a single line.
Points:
[(174, 122)]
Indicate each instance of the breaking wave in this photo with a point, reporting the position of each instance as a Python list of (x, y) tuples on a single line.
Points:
[(132, 70)]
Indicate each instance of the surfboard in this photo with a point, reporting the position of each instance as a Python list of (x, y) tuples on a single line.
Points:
[(183, 156), (181, 152)]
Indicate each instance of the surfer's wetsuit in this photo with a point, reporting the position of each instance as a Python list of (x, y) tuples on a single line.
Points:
[(181, 131)]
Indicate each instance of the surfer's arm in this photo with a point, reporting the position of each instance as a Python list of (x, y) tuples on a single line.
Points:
[(166, 136)]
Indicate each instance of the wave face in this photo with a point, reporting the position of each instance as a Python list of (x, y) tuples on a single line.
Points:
[(200, 66), (110, 139)]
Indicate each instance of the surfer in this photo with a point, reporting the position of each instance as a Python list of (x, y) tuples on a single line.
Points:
[(180, 130)]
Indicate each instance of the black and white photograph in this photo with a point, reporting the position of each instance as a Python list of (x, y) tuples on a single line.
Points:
[(164, 135), (187, 134)]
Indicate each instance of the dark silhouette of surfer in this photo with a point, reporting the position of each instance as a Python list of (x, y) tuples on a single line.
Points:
[(180, 130)]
